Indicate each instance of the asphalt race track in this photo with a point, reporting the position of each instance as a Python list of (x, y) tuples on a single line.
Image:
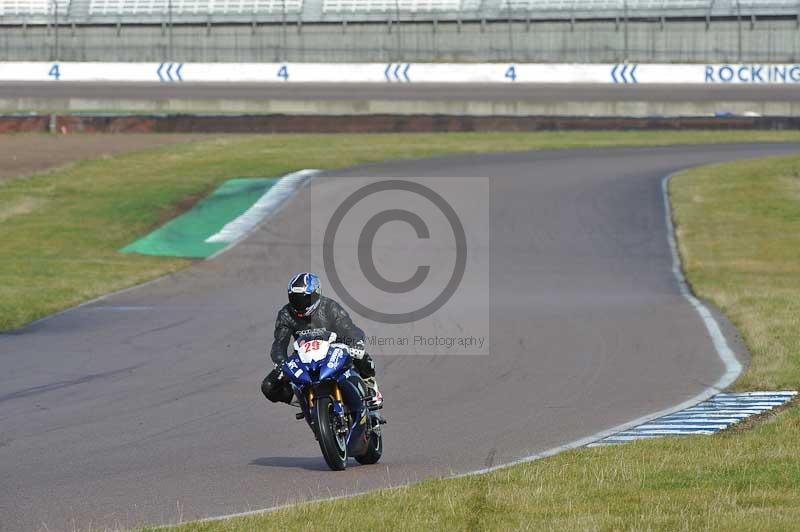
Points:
[(145, 407), (314, 92)]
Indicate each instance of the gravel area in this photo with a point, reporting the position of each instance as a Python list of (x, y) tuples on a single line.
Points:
[(29, 153)]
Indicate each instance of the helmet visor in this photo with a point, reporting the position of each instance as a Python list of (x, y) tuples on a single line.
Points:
[(302, 303)]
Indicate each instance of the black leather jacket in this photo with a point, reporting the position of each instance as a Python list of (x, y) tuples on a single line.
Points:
[(329, 315)]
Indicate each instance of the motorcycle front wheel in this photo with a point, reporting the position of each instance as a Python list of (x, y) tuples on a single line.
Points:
[(332, 444)]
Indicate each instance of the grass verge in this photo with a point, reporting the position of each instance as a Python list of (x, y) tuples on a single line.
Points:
[(61, 229), (739, 236)]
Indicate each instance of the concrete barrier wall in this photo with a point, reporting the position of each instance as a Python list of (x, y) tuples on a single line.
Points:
[(402, 108), (66, 124), (605, 41)]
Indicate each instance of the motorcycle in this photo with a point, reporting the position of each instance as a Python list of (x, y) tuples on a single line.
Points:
[(334, 400)]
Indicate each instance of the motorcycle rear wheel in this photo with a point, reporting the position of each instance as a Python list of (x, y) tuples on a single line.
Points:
[(332, 445)]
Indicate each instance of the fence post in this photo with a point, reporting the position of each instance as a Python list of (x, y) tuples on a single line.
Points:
[(796, 26), (284, 37), (400, 51), (434, 40), (625, 29), (510, 31), (709, 55), (171, 48), (56, 52), (739, 22)]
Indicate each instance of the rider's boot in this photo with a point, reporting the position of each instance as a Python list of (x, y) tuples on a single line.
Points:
[(375, 399)]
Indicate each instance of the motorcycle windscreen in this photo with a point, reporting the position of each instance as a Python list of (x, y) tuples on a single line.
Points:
[(313, 351)]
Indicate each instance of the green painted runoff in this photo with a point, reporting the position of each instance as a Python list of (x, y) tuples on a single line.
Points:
[(185, 236)]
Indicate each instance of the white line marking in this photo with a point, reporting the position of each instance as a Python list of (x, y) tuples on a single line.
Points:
[(736, 406), (710, 414), (751, 402), (738, 402), (745, 406), (623, 439), (706, 422), (753, 394), (718, 421), (759, 406), (749, 411), (703, 419), (748, 407), (687, 432), (770, 397), (646, 426)]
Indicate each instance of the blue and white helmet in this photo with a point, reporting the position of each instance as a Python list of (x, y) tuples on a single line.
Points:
[(304, 294)]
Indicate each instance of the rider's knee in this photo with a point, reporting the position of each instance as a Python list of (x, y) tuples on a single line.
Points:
[(365, 366), (276, 390)]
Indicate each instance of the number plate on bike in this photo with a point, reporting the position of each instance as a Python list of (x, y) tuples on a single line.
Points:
[(313, 351)]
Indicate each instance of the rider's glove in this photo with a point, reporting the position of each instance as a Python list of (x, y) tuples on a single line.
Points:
[(357, 350)]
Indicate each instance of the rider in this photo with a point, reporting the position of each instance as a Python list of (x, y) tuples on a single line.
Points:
[(306, 310)]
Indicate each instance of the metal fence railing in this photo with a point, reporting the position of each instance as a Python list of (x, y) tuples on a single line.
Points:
[(332, 11), (401, 30)]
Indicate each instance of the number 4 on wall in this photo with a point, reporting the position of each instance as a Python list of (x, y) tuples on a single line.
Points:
[(511, 73), (283, 73), (54, 73)]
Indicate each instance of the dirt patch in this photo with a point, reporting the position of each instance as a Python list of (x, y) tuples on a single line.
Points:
[(29, 153), (24, 205), (752, 422)]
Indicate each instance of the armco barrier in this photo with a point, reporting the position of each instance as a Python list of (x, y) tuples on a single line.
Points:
[(402, 73), (66, 124)]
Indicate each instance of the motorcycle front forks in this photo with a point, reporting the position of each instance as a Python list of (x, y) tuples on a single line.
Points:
[(337, 394)]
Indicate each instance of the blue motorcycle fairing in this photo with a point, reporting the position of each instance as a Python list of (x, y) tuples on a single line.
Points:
[(297, 372), (334, 363)]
